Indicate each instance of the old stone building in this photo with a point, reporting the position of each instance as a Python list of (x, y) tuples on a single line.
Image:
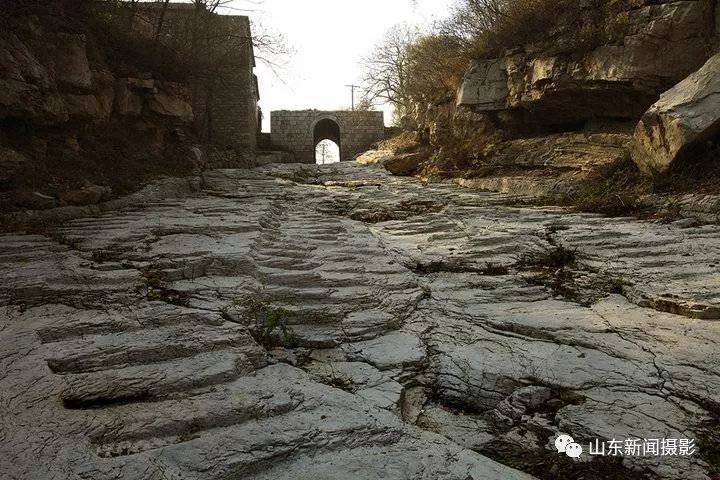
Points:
[(225, 91), (300, 131)]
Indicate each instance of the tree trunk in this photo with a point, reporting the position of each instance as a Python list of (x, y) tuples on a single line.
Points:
[(161, 19), (131, 16)]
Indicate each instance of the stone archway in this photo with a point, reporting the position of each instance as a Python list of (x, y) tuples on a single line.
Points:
[(300, 131), (327, 129)]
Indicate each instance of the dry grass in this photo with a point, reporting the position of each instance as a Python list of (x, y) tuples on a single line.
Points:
[(612, 191), (436, 66), (700, 173), (459, 153), (567, 25), (617, 189)]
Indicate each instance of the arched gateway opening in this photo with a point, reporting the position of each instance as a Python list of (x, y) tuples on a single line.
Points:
[(326, 138), (300, 131)]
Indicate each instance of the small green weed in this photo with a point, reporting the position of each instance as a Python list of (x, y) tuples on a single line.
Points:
[(269, 320)]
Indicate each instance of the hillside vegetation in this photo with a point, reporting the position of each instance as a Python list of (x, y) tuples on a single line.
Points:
[(550, 91)]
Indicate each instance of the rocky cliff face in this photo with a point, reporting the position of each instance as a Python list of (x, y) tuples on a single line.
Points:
[(654, 47), (69, 118), (647, 48), (48, 80)]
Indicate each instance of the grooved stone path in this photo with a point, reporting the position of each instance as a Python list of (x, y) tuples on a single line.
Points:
[(303, 322)]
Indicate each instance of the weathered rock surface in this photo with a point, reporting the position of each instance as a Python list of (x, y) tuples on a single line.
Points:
[(656, 45), (71, 65), (32, 200), (372, 157), (170, 106), (686, 116), (550, 165), (57, 83), (64, 98), (401, 164), (566, 151), (485, 86), (266, 158), (405, 164), (89, 195), (337, 322), (11, 164)]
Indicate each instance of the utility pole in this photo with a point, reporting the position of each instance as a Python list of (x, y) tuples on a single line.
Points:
[(322, 146), (352, 93)]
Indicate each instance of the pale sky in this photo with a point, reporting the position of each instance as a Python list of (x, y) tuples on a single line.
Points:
[(330, 38)]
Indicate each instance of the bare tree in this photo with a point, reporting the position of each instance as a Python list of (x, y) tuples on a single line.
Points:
[(269, 47), (210, 6), (471, 18), (364, 105), (409, 67), (161, 19), (436, 67), (386, 68)]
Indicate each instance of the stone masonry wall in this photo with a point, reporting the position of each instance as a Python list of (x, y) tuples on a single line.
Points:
[(293, 131), (225, 100)]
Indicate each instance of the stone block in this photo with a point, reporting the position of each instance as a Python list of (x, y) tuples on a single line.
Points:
[(170, 106), (685, 116)]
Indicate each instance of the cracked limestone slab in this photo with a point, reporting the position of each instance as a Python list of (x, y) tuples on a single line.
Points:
[(127, 350)]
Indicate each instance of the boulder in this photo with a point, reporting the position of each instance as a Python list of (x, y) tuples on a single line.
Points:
[(24, 82), (171, 106), (581, 151), (684, 117), (198, 158), (19, 63), (130, 95), (662, 42), (89, 195), (406, 164), (372, 157)]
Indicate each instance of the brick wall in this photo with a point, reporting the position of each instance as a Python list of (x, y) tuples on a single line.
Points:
[(293, 131)]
